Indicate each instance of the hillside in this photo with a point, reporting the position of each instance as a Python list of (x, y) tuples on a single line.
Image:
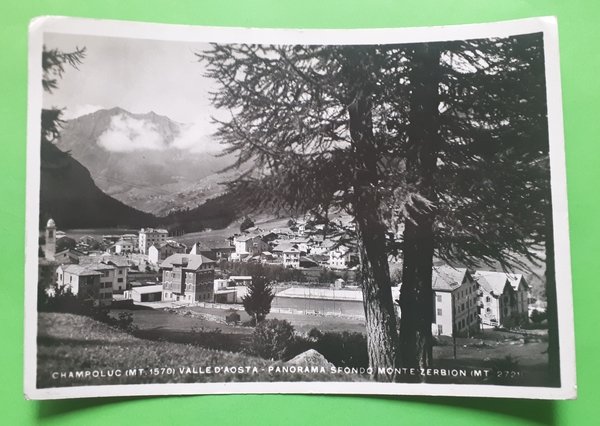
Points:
[(69, 196), (146, 161), (70, 343)]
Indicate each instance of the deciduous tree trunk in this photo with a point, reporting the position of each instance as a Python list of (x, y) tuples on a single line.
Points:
[(416, 297), (382, 335)]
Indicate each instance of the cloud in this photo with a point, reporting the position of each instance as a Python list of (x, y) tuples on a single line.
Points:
[(127, 134), (196, 138), (70, 113)]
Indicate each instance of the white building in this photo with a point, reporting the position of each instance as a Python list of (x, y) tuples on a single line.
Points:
[(339, 257), (84, 283), (146, 293), (113, 268), (124, 246), (291, 257), (159, 252), (504, 298), (248, 245), (150, 236), (455, 301)]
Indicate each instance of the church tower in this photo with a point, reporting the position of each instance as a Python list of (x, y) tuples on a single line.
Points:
[(50, 246)]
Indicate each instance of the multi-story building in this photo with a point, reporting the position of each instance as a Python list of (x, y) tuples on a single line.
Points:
[(340, 258), (216, 249), (248, 245), (455, 301), (124, 246), (83, 282), (188, 278), (159, 252), (503, 298), (150, 236), (114, 269), (291, 257)]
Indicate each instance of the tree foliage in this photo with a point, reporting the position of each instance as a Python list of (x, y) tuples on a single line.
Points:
[(257, 303), (54, 62), (272, 339), (434, 149)]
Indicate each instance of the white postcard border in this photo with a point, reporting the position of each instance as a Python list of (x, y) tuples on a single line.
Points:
[(139, 30)]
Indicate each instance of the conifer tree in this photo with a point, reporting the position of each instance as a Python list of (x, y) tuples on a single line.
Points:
[(257, 303)]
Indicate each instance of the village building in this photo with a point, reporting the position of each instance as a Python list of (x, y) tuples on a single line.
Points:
[(188, 278), (159, 252), (239, 280), (248, 246), (84, 283), (123, 246), (114, 269), (69, 256), (223, 292), (216, 250), (47, 265), (504, 298), (142, 278), (50, 244), (291, 257), (455, 301), (150, 236), (340, 257), (301, 244), (149, 293)]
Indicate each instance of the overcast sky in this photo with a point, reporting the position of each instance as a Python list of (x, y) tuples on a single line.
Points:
[(138, 75)]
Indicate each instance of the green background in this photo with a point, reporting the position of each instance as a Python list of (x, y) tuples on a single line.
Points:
[(580, 67)]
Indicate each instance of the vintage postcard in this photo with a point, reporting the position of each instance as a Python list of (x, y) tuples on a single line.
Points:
[(227, 210)]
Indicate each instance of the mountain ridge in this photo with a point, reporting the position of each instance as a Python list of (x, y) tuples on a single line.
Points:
[(146, 160)]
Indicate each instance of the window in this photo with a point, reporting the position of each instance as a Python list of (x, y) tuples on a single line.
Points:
[(119, 280), (438, 297), (440, 329), (120, 272), (439, 312), (487, 299)]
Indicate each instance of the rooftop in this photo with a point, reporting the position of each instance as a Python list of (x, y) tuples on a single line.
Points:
[(494, 282), (447, 278), (148, 289), (187, 261), (80, 270)]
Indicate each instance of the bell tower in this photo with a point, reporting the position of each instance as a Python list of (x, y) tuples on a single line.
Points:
[(50, 246)]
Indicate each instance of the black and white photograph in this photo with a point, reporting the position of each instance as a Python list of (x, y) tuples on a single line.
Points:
[(226, 210)]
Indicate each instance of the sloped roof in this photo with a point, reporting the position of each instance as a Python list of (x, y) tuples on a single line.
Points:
[(491, 282), (173, 244), (494, 282), (145, 289), (100, 266), (117, 261), (194, 261), (107, 259), (447, 278), (80, 270)]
